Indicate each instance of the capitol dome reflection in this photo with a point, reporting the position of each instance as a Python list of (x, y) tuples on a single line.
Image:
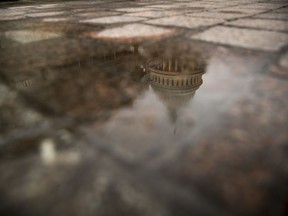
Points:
[(175, 82)]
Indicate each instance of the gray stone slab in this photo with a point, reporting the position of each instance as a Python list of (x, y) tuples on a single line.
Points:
[(186, 22), (57, 19), (261, 6), (246, 38), (132, 32), (138, 9), (155, 14), (218, 15), (261, 24), (164, 6), (44, 14), (29, 36), (281, 10), (277, 16), (240, 10), (44, 6), (113, 19), (96, 14)]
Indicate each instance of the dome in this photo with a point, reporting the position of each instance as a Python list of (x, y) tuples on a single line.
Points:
[(174, 83)]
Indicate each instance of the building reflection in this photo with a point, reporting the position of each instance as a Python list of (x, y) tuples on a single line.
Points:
[(98, 83), (101, 83), (174, 82)]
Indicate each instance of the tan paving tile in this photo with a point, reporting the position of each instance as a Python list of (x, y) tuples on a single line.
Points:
[(27, 36), (85, 10), (282, 10), (246, 38), (113, 19), (155, 14), (240, 10), (261, 6), (163, 6), (138, 9), (278, 16), (48, 6), (132, 32), (185, 21), (97, 14), (15, 17), (219, 15), (261, 24), (58, 19), (21, 7), (34, 15), (7, 13), (203, 5), (196, 4)]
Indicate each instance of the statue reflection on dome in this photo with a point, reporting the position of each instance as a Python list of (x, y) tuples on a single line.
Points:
[(174, 82)]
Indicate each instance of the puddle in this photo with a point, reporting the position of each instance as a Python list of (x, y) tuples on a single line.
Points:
[(183, 96), (143, 99)]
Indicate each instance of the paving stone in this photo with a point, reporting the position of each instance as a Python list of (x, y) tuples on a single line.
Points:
[(21, 7), (155, 13), (261, 24), (45, 14), (240, 10), (282, 10), (4, 13), (132, 32), (204, 5), (113, 19), (17, 17), (58, 19), (97, 14), (219, 15), (261, 6), (11, 15), (246, 38), (163, 6), (138, 9), (280, 16), (48, 6), (198, 6), (187, 22), (28, 36)]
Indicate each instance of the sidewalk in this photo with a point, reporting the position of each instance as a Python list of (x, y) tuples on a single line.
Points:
[(149, 108)]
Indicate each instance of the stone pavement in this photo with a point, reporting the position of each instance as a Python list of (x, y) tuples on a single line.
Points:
[(149, 108)]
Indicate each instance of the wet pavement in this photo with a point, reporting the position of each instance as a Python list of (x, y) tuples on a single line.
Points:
[(164, 108)]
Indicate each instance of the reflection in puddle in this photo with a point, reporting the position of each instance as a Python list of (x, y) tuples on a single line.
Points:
[(154, 120), (140, 98), (128, 94), (173, 83), (113, 79), (26, 36)]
